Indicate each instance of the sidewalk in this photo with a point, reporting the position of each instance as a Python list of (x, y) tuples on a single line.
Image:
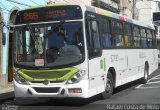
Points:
[(6, 93)]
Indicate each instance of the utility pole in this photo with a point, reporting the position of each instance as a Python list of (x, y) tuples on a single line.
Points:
[(134, 6)]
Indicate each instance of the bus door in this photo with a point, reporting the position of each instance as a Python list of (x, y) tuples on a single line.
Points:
[(96, 80)]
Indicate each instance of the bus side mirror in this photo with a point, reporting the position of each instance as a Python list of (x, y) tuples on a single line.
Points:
[(4, 38)]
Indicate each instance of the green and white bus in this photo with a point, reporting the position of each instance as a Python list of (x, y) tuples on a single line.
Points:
[(79, 51)]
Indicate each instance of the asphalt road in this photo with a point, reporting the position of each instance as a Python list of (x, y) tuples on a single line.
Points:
[(124, 97)]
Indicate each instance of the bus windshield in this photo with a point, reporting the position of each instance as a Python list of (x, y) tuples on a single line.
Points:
[(48, 45)]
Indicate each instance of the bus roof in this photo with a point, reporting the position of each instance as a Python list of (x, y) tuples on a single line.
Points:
[(101, 12), (46, 5), (117, 16)]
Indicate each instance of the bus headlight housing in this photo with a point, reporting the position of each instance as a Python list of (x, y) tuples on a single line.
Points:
[(20, 79), (77, 77)]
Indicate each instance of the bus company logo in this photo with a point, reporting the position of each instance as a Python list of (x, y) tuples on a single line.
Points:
[(45, 82)]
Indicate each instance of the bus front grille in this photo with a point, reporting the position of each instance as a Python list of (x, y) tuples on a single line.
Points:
[(46, 90), (40, 82)]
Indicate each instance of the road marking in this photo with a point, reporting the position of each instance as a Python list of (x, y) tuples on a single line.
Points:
[(154, 77), (149, 87), (153, 82), (139, 86)]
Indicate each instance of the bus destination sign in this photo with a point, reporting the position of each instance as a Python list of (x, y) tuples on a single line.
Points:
[(46, 14)]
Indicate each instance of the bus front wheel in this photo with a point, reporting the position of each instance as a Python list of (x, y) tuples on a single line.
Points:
[(109, 87)]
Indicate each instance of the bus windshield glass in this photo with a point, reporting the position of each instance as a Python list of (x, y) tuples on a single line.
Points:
[(48, 45)]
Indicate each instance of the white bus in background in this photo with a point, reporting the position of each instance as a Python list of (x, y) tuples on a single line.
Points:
[(79, 51)]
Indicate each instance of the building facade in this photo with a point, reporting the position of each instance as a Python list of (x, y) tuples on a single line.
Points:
[(126, 8), (8, 10)]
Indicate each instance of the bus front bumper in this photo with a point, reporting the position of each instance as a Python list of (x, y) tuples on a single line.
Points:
[(50, 91)]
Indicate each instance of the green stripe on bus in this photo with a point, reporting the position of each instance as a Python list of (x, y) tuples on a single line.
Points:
[(51, 75), (101, 64), (127, 60), (104, 64)]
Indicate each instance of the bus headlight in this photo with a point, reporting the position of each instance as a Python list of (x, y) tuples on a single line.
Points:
[(76, 77), (20, 79)]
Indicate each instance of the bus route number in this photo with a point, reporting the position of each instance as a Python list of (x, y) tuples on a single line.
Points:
[(30, 16)]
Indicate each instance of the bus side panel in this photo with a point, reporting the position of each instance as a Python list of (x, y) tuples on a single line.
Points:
[(96, 82), (116, 59), (151, 57), (135, 64)]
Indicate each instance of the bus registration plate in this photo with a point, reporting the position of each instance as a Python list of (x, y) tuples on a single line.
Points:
[(39, 62)]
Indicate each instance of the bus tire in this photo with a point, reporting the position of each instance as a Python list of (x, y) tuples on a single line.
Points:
[(146, 74), (109, 87)]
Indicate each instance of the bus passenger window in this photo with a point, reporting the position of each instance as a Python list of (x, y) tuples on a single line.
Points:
[(95, 35), (149, 39), (143, 38), (136, 36), (119, 40), (127, 35), (154, 38), (117, 34), (126, 41), (93, 40), (106, 33), (106, 40)]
